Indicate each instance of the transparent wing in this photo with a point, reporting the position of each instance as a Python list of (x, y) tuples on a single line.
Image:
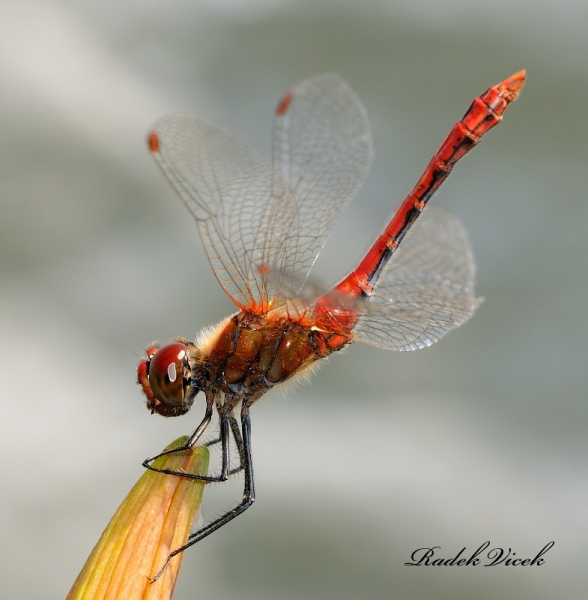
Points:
[(253, 219), (227, 186), (322, 152), (427, 288)]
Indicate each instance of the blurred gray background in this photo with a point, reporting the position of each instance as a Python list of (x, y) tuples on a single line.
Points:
[(482, 437)]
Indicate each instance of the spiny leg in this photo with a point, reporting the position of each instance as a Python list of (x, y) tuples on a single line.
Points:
[(224, 438), (238, 442), (248, 491)]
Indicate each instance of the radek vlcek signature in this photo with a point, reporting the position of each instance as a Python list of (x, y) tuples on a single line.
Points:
[(431, 556)]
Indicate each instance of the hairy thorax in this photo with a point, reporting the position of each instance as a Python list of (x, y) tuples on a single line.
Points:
[(248, 354)]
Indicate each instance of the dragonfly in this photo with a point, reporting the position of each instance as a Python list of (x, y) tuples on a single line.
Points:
[(263, 226)]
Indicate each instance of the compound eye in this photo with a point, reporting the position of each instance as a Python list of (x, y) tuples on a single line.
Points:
[(166, 374)]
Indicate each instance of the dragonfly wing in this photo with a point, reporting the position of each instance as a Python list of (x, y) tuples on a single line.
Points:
[(227, 186), (322, 152), (427, 288)]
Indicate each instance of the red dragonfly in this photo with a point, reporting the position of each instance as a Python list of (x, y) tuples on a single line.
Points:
[(263, 226)]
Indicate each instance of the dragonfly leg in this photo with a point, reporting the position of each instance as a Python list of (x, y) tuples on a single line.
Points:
[(248, 491), (224, 439), (238, 442)]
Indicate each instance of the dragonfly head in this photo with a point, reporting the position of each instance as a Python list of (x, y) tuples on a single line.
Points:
[(165, 377)]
